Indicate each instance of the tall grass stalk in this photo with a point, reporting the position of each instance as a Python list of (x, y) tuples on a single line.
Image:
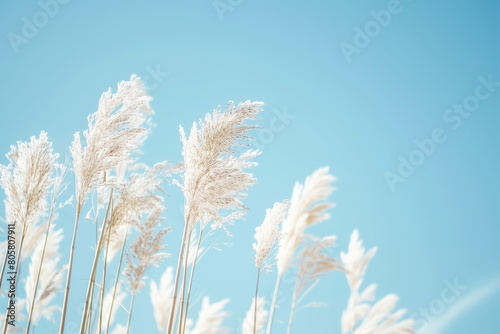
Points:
[(3, 266), (177, 273), (70, 268), (292, 310), (94, 265), (256, 301), (116, 280), (184, 277), (39, 269), (92, 320), (130, 313), (191, 280), (273, 305), (104, 280)]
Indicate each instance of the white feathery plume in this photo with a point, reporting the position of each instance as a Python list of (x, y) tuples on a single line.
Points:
[(145, 250), (119, 297), (356, 261), (119, 329), (137, 199), (26, 180), (304, 211), (247, 327), (137, 196), (114, 131), (360, 317), (161, 298), (51, 277), (144, 253), (213, 177), (267, 234), (314, 261), (211, 317), (39, 231)]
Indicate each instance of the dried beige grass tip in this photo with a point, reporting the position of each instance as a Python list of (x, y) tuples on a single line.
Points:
[(161, 298), (145, 250), (304, 211), (113, 132), (26, 180), (360, 316), (213, 176), (267, 234), (211, 317)]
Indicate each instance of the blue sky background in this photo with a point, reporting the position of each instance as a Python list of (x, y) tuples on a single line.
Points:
[(356, 115)]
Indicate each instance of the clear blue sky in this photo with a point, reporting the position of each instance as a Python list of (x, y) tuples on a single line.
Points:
[(361, 94)]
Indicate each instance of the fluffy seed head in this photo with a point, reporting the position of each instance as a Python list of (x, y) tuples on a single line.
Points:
[(26, 180), (267, 234), (114, 131), (161, 297), (213, 176), (315, 261), (145, 251), (304, 211), (211, 317), (361, 316)]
